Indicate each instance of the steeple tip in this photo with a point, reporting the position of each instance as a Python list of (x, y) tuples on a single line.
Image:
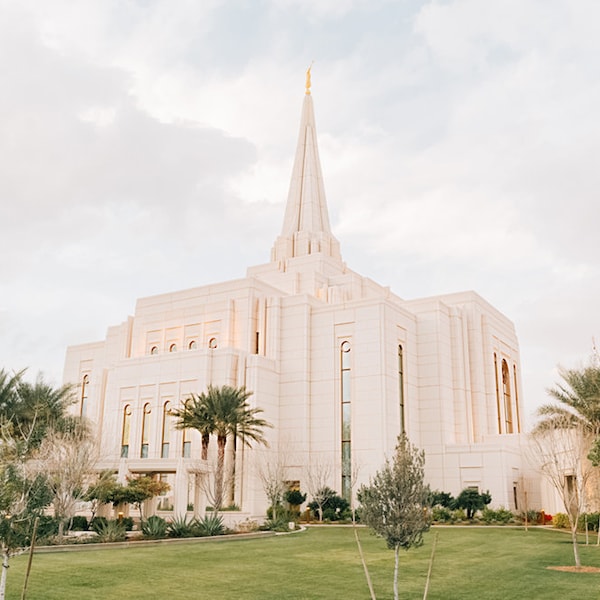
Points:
[(306, 228), (308, 84)]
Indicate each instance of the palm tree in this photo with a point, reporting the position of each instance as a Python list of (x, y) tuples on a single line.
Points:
[(578, 397), (223, 411), (31, 408)]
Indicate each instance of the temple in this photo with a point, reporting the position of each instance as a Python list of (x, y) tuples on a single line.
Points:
[(339, 364)]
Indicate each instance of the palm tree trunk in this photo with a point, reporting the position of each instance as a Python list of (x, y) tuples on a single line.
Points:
[(205, 441), (220, 472)]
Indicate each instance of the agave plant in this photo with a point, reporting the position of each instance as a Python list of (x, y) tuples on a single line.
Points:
[(111, 531), (154, 528), (210, 525), (180, 527)]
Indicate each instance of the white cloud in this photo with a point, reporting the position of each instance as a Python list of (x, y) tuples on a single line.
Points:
[(140, 140)]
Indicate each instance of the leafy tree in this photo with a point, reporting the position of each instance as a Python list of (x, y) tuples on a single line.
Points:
[(395, 503), (442, 499), (27, 412), (99, 492), (223, 411), (471, 500), (34, 408), (23, 496), (295, 497)]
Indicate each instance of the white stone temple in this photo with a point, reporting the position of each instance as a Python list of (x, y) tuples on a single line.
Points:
[(339, 364)]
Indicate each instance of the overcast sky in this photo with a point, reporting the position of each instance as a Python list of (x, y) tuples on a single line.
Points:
[(146, 147)]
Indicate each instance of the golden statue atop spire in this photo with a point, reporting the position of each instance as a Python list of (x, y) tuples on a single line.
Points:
[(308, 78)]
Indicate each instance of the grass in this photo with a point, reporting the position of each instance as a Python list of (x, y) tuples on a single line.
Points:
[(470, 563)]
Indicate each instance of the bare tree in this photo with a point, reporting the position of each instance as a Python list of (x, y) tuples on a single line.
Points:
[(561, 452), (271, 472), (318, 476), (67, 458)]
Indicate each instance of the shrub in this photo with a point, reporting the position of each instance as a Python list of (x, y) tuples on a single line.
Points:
[(180, 528), (334, 507), (501, 515), (154, 528), (79, 523), (110, 531), (47, 528), (97, 523), (458, 514), (278, 524), (128, 523), (209, 525), (295, 497), (592, 521), (442, 514), (472, 501), (561, 521)]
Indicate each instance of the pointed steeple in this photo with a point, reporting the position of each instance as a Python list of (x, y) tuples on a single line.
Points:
[(306, 228)]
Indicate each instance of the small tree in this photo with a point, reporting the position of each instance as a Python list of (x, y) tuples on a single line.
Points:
[(561, 449), (271, 473), (395, 503), (67, 458), (471, 500), (23, 496), (100, 491), (138, 490), (318, 475)]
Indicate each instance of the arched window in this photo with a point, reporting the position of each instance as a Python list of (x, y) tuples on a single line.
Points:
[(497, 394), (212, 343), (186, 444), (193, 345), (125, 431), (508, 419), (345, 370), (145, 431), (154, 350), (173, 348), (166, 430), (85, 382), (401, 388)]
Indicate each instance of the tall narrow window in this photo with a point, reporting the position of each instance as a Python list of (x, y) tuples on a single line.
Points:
[(85, 383), (401, 388), (507, 398), (516, 398), (345, 369), (166, 430), (145, 431), (125, 431), (497, 393), (186, 444)]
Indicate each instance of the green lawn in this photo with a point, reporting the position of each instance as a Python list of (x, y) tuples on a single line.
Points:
[(482, 563)]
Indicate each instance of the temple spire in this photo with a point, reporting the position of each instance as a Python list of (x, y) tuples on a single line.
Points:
[(306, 228)]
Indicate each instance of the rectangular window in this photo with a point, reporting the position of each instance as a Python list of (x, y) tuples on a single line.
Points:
[(165, 450), (124, 451), (144, 452), (187, 450)]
